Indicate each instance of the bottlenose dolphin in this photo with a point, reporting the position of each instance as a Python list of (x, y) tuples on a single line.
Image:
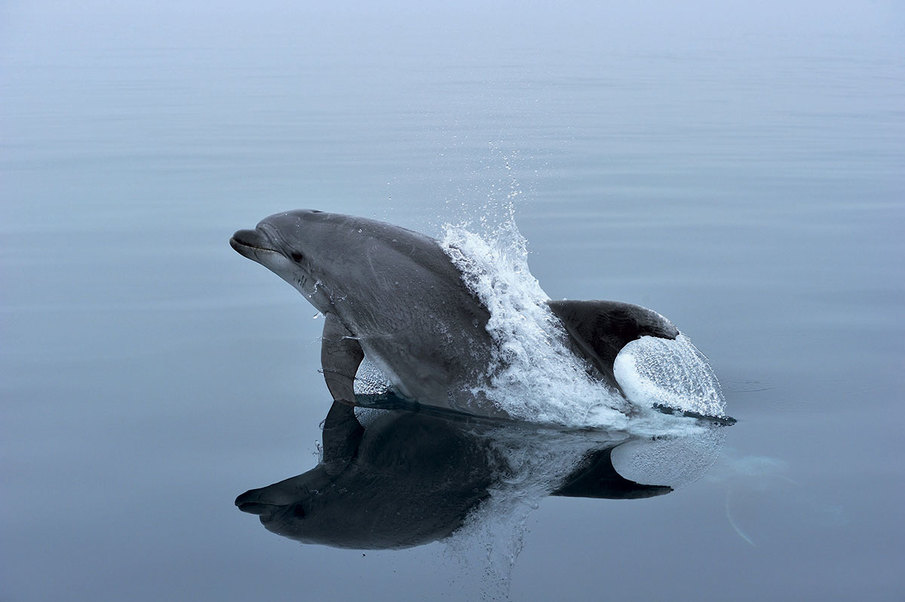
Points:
[(395, 296)]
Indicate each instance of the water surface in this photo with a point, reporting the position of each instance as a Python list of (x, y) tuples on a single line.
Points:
[(737, 171)]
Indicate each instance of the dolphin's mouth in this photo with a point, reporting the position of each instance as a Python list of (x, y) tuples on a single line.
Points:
[(250, 243), (256, 501), (259, 508)]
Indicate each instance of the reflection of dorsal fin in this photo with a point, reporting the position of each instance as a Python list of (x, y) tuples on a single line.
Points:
[(596, 477), (600, 329)]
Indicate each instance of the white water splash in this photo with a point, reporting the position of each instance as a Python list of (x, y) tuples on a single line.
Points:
[(535, 377), (673, 373)]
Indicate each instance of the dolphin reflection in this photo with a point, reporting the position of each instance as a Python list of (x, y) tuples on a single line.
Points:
[(397, 479)]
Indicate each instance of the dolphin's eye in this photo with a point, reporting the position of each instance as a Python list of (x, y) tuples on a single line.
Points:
[(298, 511), (295, 256)]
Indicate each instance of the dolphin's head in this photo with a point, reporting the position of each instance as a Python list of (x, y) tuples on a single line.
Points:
[(295, 246), (330, 257)]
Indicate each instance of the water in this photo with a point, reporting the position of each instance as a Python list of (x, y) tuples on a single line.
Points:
[(738, 172)]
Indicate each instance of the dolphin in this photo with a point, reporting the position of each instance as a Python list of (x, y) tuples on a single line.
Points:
[(394, 296)]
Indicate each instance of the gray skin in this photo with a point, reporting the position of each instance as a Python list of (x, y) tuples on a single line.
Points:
[(394, 295)]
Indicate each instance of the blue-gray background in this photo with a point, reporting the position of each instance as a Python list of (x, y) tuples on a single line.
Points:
[(741, 169)]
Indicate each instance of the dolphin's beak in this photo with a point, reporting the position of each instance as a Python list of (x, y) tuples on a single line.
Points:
[(251, 502), (267, 501), (252, 244)]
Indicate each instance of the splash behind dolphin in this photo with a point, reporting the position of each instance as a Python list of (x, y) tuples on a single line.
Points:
[(394, 295)]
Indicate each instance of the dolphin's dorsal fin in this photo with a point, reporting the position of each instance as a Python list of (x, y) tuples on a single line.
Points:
[(600, 329)]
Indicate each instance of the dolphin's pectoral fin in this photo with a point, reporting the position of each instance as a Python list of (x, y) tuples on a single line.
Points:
[(342, 434), (600, 329), (340, 357)]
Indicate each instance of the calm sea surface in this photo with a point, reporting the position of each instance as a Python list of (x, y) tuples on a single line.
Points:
[(741, 170)]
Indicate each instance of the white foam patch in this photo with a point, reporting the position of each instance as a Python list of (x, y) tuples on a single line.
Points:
[(652, 371)]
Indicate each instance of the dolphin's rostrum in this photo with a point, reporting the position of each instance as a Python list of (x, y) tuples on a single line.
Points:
[(394, 296)]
